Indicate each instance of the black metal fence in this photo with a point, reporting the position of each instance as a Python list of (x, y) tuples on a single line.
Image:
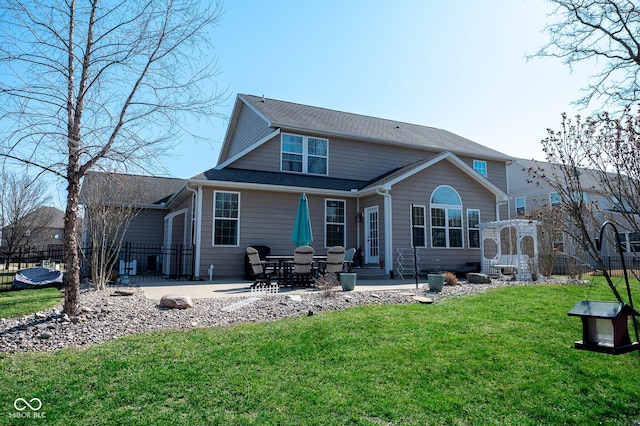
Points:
[(576, 267), (140, 262)]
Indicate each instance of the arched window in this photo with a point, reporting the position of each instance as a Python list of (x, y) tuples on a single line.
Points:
[(446, 218)]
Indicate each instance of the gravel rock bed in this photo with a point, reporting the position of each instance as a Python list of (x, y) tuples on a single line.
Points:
[(107, 316)]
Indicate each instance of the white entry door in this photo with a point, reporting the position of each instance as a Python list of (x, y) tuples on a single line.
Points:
[(371, 244)]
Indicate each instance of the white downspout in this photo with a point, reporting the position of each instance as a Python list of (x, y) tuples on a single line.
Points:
[(388, 232), (358, 224), (198, 233), (498, 204)]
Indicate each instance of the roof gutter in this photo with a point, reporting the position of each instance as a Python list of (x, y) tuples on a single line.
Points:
[(275, 188)]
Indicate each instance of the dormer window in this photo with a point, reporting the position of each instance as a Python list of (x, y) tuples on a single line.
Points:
[(304, 154)]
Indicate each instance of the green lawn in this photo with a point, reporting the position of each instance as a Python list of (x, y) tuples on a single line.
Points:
[(17, 303), (501, 358)]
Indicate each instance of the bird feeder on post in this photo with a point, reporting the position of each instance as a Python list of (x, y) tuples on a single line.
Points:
[(605, 325)]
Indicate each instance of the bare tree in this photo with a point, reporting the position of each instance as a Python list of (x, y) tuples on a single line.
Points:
[(582, 157), (87, 83), (604, 34), (24, 217), (111, 202), (551, 223)]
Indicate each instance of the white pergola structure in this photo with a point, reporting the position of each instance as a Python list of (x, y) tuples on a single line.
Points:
[(509, 247)]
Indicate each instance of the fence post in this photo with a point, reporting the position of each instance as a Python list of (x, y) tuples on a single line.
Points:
[(193, 262), (180, 270)]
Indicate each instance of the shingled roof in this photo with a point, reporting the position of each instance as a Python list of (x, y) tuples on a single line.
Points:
[(281, 179), (147, 190), (307, 118)]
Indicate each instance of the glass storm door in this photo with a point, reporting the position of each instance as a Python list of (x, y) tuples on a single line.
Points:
[(371, 245)]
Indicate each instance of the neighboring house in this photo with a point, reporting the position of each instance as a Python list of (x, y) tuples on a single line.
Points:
[(362, 176), (149, 194), (54, 231), (531, 195), (43, 228)]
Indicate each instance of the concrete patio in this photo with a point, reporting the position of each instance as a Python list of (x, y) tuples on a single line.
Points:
[(240, 288)]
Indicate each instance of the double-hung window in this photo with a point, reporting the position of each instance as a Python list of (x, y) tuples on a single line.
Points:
[(555, 200), (418, 227), (473, 227), (304, 154), (226, 218), (446, 218), (335, 223)]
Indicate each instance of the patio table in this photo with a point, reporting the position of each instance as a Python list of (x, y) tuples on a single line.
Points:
[(282, 265)]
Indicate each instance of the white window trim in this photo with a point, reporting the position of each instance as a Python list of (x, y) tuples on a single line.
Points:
[(213, 228), (424, 226), (484, 163), (344, 223), (469, 229), (305, 154), (446, 208)]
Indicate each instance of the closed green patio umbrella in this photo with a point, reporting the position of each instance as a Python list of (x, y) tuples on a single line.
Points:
[(302, 234)]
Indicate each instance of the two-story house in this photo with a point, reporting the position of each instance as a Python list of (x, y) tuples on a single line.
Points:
[(372, 183)]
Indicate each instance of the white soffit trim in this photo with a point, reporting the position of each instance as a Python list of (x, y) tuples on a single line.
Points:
[(248, 149)]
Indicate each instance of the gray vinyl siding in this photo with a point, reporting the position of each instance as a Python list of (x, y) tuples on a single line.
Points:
[(365, 161), (347, 159), (418, 190), (266, 218), (496, 171), (250, 129), (265, 158), (358, 160), (146, 228)]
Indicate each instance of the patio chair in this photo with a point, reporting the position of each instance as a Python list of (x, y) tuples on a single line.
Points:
[(335, 260), (261, 270), (300, 269), (348, 259)]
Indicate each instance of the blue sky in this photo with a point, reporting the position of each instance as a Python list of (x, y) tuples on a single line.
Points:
[(457, 65)]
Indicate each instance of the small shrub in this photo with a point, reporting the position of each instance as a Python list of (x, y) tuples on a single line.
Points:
[(327, 283), (450, 278)]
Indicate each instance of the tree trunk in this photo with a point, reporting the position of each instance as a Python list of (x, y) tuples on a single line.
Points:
[(71, 258)]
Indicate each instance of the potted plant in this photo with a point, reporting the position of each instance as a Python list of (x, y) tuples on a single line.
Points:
[(348, 281), (436, 281)]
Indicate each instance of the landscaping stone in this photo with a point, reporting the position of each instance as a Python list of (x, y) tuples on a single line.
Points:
[(477, 278), (114, 317), (176, 301), (122, 292), (422, 299)]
